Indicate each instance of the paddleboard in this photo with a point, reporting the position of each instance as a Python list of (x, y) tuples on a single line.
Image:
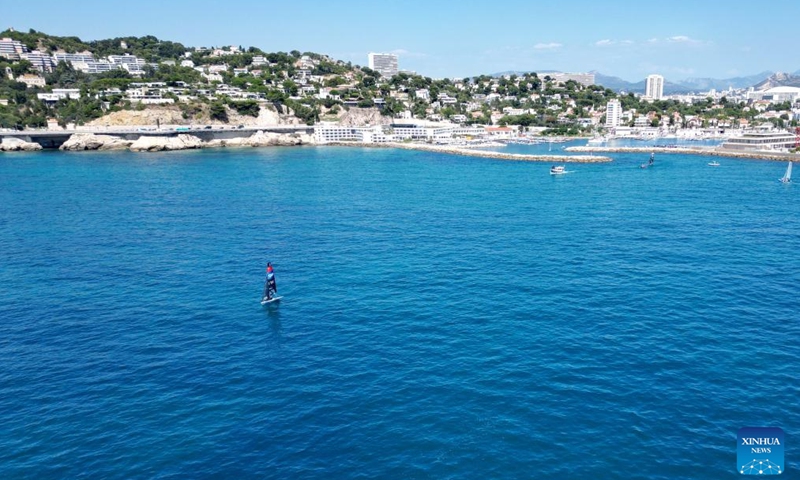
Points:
[(271, 300)]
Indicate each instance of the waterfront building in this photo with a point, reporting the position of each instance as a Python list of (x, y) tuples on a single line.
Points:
[(776, 140), (383, 63), (654, 87), (613, 113)]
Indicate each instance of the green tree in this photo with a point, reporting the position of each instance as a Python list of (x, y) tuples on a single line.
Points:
[(217, 111)]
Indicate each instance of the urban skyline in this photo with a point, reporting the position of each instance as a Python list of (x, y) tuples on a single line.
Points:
[(629, 40)]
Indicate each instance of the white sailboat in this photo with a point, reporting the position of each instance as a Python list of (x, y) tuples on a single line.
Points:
[(787, 177)]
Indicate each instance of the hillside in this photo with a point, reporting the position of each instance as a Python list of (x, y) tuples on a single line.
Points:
[(779, 80)]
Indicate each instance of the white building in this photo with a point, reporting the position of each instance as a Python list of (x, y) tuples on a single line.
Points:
[(613, 114), (11, 49), (40, 60), (73, 57), (654, 87), (59, 94), (383, 63)]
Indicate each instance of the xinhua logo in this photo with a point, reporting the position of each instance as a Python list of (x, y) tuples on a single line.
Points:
[(759, 451)]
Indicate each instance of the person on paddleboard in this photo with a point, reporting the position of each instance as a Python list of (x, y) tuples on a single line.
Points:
[(272, 287)]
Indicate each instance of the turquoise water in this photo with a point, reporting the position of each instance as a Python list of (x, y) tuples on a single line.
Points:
[(444, 317)]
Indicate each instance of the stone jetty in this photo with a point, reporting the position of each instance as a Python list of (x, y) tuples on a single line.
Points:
[(453, 150)]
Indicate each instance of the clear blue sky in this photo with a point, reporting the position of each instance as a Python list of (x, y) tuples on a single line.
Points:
[(443, 38)]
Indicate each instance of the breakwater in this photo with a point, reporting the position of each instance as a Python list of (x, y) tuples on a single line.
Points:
[(480, 153), (709, 151)]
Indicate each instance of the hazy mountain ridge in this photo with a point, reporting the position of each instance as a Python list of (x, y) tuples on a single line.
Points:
[(760, 81)]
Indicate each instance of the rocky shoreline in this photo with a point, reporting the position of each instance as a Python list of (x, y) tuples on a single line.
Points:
[(709, 151), (11, 144), (479, 153), (157, 143)]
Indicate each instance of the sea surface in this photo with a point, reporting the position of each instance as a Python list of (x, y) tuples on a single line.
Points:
[(443, 317)]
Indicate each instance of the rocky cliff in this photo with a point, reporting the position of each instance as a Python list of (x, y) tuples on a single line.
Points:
[(173, 115), (360, 117), (90, 141), (268, 139), (157, 144), (10, 144)]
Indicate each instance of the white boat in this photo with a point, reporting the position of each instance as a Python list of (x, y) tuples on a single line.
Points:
[(558, 170), (713, 164), (787, 177)]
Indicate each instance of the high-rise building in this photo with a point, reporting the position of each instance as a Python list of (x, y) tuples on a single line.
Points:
[(655, 87), (383, 63), (613, 113)]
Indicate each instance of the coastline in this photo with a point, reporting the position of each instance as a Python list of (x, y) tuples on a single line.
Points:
[(158, 143), (709, 151)]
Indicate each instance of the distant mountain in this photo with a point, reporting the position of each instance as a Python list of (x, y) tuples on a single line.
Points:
[(706, 84), (779, 80), (761, 80), (697, 85), (620, 85)]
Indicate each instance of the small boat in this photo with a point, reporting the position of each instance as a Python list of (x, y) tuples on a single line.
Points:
[(787, 177), (558, 170), (270, 287), (713, 164)]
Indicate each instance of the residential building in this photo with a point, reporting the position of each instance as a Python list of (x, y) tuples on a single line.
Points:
[(73, 57), (40, 60), (383, 63), (126, 59), (31, 80), (654, 87), (59, 94), (11, 49), (613, 113)]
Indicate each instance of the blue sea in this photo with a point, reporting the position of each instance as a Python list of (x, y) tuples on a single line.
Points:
[(443, 317)]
